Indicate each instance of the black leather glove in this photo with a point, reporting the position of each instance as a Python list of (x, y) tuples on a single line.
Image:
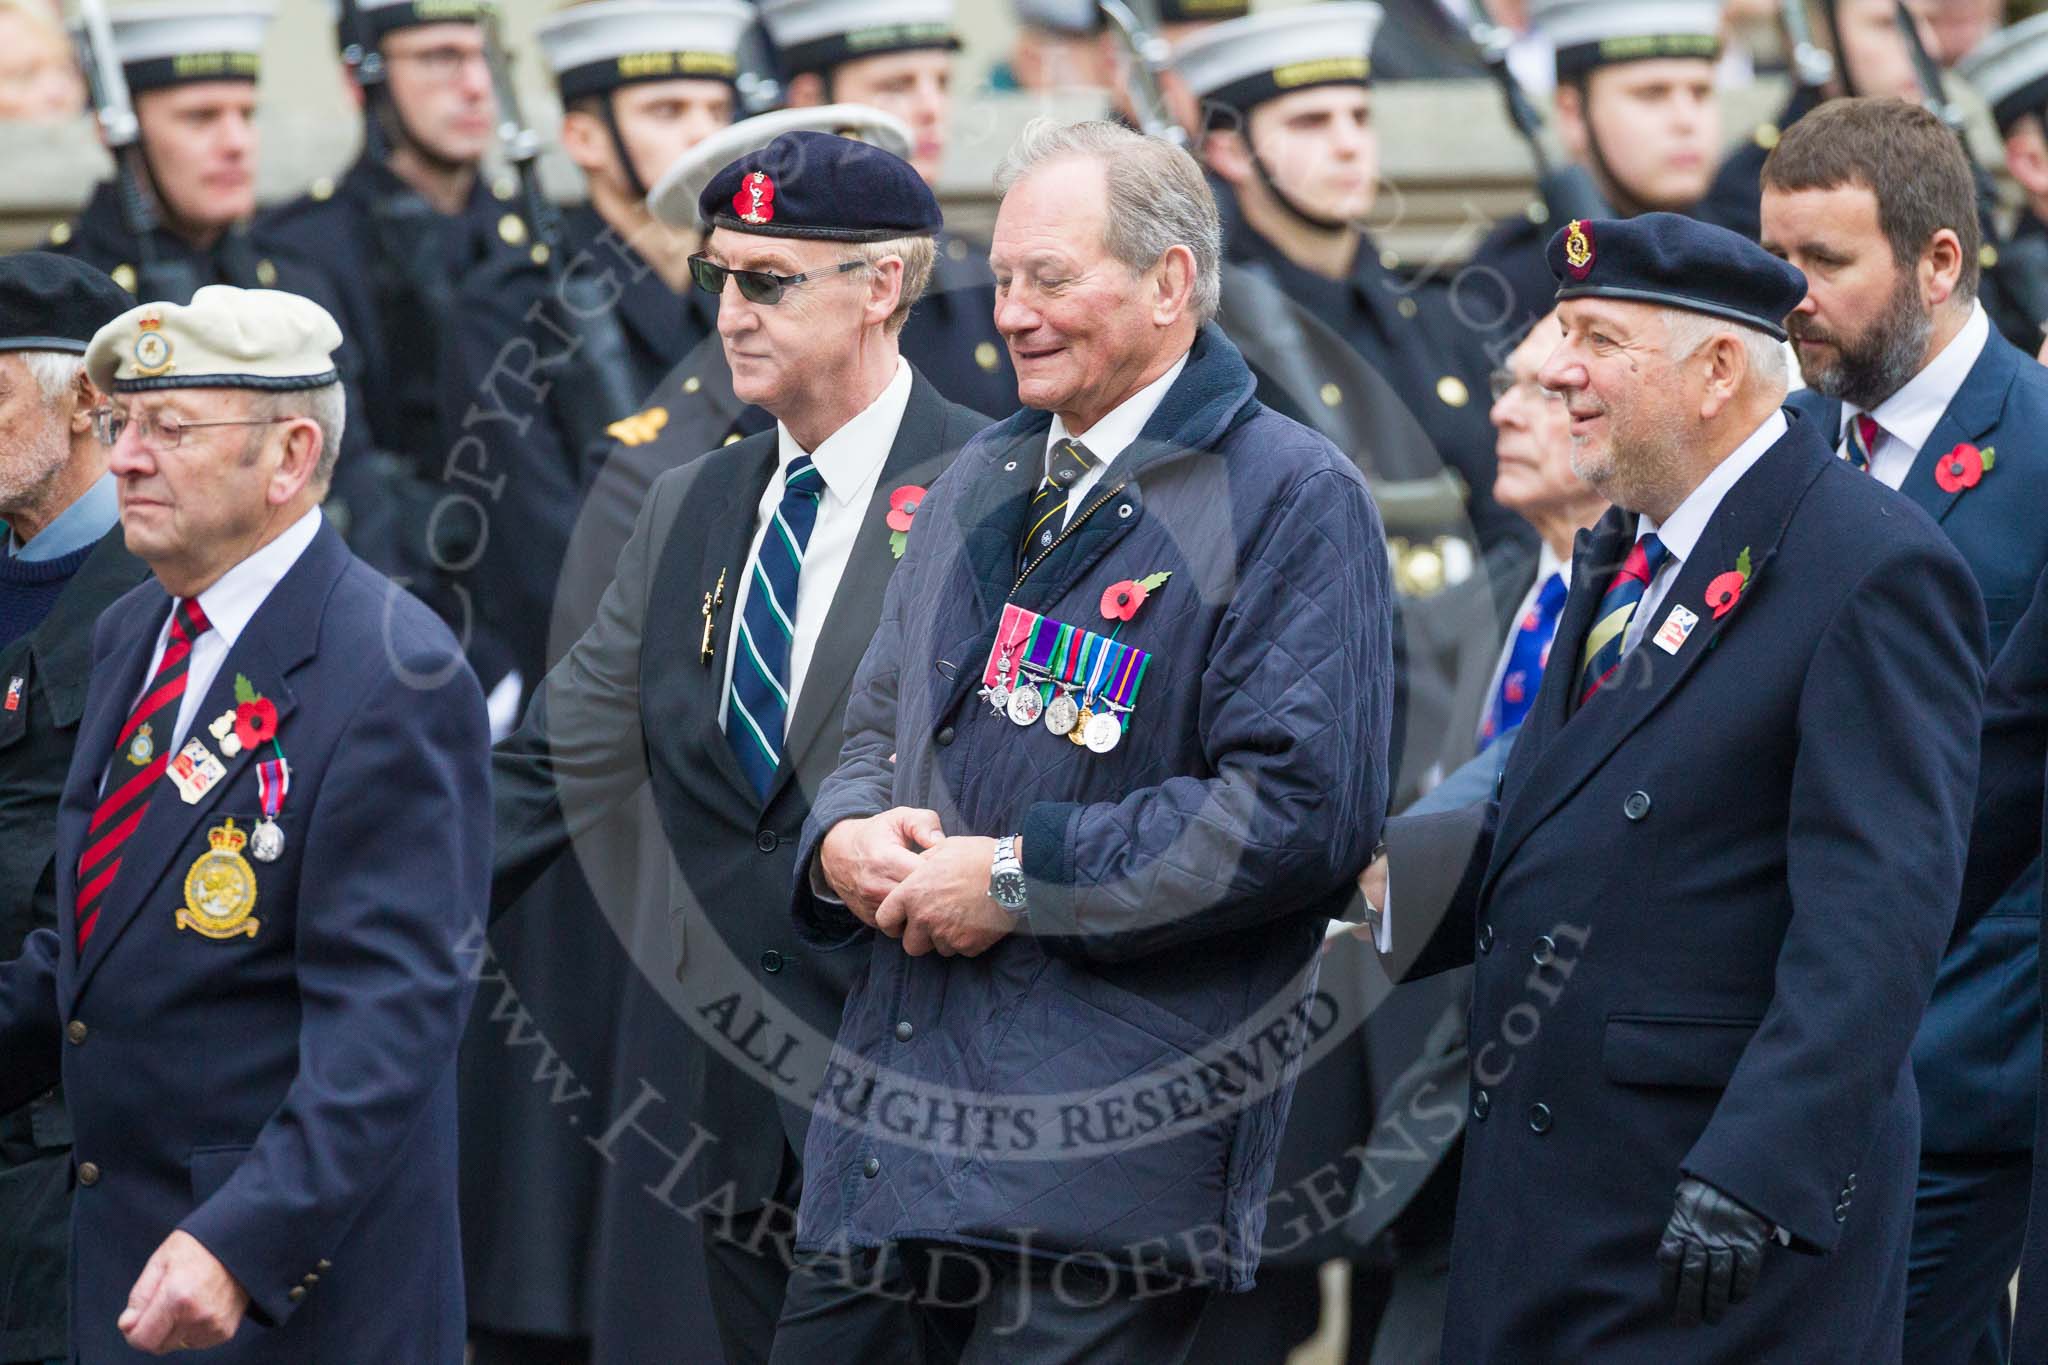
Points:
[(1713, 1248)]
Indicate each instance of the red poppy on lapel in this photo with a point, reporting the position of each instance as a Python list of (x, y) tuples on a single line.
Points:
[(1964, 467), (255, 714), (1727, 589), (903, 505)]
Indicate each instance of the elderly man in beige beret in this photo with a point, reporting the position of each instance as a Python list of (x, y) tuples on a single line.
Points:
[(272, 849)]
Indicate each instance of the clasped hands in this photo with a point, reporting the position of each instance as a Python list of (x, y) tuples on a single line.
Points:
[(900, 873)]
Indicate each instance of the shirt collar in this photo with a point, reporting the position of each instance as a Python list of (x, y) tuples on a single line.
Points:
[(1120, 426), (848, 458), (1682, 530), (1910, 414), (1549, 562), (236, 594), (86, 520)]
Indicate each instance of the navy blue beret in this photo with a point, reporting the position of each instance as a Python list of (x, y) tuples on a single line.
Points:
[(54, 303), (1679, 262), (821, 185)]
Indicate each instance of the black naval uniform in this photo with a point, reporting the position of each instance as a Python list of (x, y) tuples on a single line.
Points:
[(2014, 303), (395, 265), (1408, 333), (99, 236), (497, 360), (520, 400), (1514, 252), (951, 336), (1734, 200)]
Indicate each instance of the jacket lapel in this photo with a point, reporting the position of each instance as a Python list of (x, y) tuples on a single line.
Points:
[(917, 457), (281, 636), (1971, 416), (1753, 516)]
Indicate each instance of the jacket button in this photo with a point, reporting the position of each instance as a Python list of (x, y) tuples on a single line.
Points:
[(1852, 1180), (944, 736), (312, 1279), (88, 1174), (1486, 938), (767, 841), (75, 1031), (1841, 1213), (1539, 1118), (1545, 951), (871, 1168), (771, 961), (298, 1292), (1637, 806), (324, 1265), (1481, 1102), (904, 1032)]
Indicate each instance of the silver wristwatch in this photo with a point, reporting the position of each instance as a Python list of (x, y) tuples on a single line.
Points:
[(1006, 877)]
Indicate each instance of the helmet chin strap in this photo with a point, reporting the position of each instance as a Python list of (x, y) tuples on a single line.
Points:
[(1281, 197), (610, 116), (1620, 197), (396, 134)]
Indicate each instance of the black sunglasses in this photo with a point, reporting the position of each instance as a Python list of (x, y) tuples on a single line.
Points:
[(758, 286)]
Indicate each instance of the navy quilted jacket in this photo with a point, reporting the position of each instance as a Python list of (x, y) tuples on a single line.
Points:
[(1113, 1077)]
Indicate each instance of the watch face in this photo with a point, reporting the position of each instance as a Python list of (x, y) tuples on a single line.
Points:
[(1008, 889)]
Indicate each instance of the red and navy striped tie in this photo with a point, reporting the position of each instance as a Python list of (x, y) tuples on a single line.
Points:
[(1617, 609), (128, 791), (1862, 442)]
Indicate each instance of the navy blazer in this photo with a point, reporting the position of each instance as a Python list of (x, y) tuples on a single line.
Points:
[(286, 1097), (1977, 1050), (2006, 836), (1705, 912)]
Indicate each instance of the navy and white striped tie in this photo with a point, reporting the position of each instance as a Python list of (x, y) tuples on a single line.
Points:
[(757, 710)]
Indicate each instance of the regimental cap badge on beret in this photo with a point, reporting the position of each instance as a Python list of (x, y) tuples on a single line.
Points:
[(152, 348), (224, 338), (1578, 248), (1669, 260), (755, 202)]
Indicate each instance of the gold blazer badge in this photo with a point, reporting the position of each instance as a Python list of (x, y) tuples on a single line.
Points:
[(220, 890)]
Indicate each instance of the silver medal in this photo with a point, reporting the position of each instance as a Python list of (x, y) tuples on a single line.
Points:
[(1104, 733), (997, 695), (266, 841), (1025, 706), (1063, 714)]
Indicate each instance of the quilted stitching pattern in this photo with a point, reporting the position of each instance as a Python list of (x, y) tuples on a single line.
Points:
[(1180, 883)]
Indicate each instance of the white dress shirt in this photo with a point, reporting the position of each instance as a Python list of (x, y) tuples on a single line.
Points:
[(850, 462), (1907, 418), (1682, 531), (1111, 436), (229, 604)]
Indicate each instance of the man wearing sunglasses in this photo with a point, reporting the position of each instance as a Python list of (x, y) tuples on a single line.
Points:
[(719, 667), (271, 844), (897, 56)]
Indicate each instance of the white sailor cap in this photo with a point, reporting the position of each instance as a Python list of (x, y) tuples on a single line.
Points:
[(226, 338), (2010, 70), (674, 198), (380, 17), (596, 47), (1241, 63), (816, 35), (1595, 33), (176, 44), (1074, 17)]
